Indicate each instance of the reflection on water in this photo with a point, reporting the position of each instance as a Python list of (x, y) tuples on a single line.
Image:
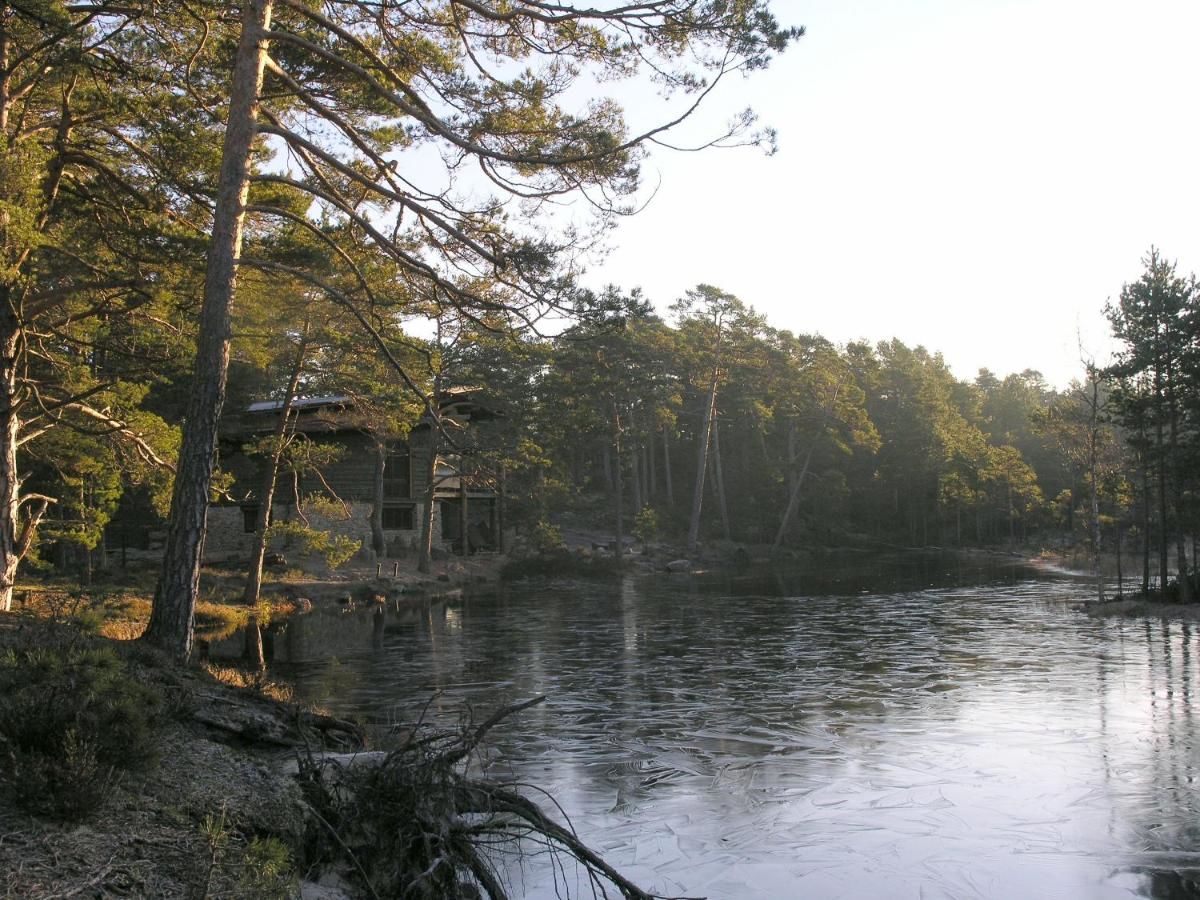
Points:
[(965, 733)]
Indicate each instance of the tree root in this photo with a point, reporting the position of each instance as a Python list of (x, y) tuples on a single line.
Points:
[(417, 826)]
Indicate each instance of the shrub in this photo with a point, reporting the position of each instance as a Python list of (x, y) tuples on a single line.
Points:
[(547, 538), (71, 718), (334, 549), (645, 525), (267, 872)]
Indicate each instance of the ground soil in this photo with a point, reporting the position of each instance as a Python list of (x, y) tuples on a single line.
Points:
[(179, 828)]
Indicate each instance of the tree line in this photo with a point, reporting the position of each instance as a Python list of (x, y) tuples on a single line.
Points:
[(203, 203), (729, 429), (181, 177)]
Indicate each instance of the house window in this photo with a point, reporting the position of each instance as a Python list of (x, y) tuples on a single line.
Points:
[(399, 518), (397, 474), (250, 518)]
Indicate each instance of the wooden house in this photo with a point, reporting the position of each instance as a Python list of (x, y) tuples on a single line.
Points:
[(361, 470)]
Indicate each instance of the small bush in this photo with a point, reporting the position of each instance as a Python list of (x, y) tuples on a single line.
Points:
[(267, 872), (645, 525), (71, 718), (547, 538), (334, 549)]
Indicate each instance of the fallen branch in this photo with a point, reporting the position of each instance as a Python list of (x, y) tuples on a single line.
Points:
[(416, 824)]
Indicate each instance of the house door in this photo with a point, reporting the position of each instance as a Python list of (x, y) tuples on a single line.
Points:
[(449, 510)]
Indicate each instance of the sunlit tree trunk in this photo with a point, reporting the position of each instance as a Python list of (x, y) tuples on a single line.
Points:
[(705, 437), (1145, 525), (619, 487), (635, 464), (270, 477), (1120, 563), (1094, 481), (464, 514), (501, 508), (378, 544), (1177, 501), (668, 480), (16, 535), (425, 551), (650, 467), (172, 620), (719, 478), (793, 499), (1164, 534)]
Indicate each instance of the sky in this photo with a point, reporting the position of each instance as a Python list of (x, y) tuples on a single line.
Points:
[(975, 176)]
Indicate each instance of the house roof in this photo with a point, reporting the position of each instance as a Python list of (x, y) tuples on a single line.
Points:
[(335, 412), (330, 400)]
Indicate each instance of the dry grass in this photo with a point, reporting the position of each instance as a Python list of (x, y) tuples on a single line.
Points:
[(122, 613), (257, 682), (122, 630)]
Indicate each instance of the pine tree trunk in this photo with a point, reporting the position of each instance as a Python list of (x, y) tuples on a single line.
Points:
[(693, 542), (1185, 592), (464, 514), (636, 466), (668, 481), (85, 569), (651, 468), (270, 477), (425, 551), (501, 512), (1145, 527), (1120, 563), (793, 496), (378, 544), (1094, 479), (252, 647), (10, 426), (619, 488), (797, 481), (10, 343), (719, 478), (1164, 534), (172, 620), (5, 82)]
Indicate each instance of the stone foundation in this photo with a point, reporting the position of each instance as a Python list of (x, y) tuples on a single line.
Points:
[(228, 540)]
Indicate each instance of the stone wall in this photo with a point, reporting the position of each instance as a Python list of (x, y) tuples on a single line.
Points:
[(228, 540)]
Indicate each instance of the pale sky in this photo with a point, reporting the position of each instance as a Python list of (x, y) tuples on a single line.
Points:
[(977, 176)]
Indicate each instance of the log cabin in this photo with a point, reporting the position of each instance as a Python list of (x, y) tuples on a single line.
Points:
[(365, 470)]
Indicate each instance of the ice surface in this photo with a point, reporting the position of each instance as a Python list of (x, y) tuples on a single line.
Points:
[(977, 740)]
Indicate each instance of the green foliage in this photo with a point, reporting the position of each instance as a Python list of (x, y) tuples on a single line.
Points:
[(72, 717), (267, 870), (335, 549), (547, 538), (645, 525)]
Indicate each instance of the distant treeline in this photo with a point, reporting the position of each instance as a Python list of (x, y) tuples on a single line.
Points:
[(715, 425)]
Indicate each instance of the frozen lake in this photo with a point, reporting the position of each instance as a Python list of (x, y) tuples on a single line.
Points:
[(924, 728)]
